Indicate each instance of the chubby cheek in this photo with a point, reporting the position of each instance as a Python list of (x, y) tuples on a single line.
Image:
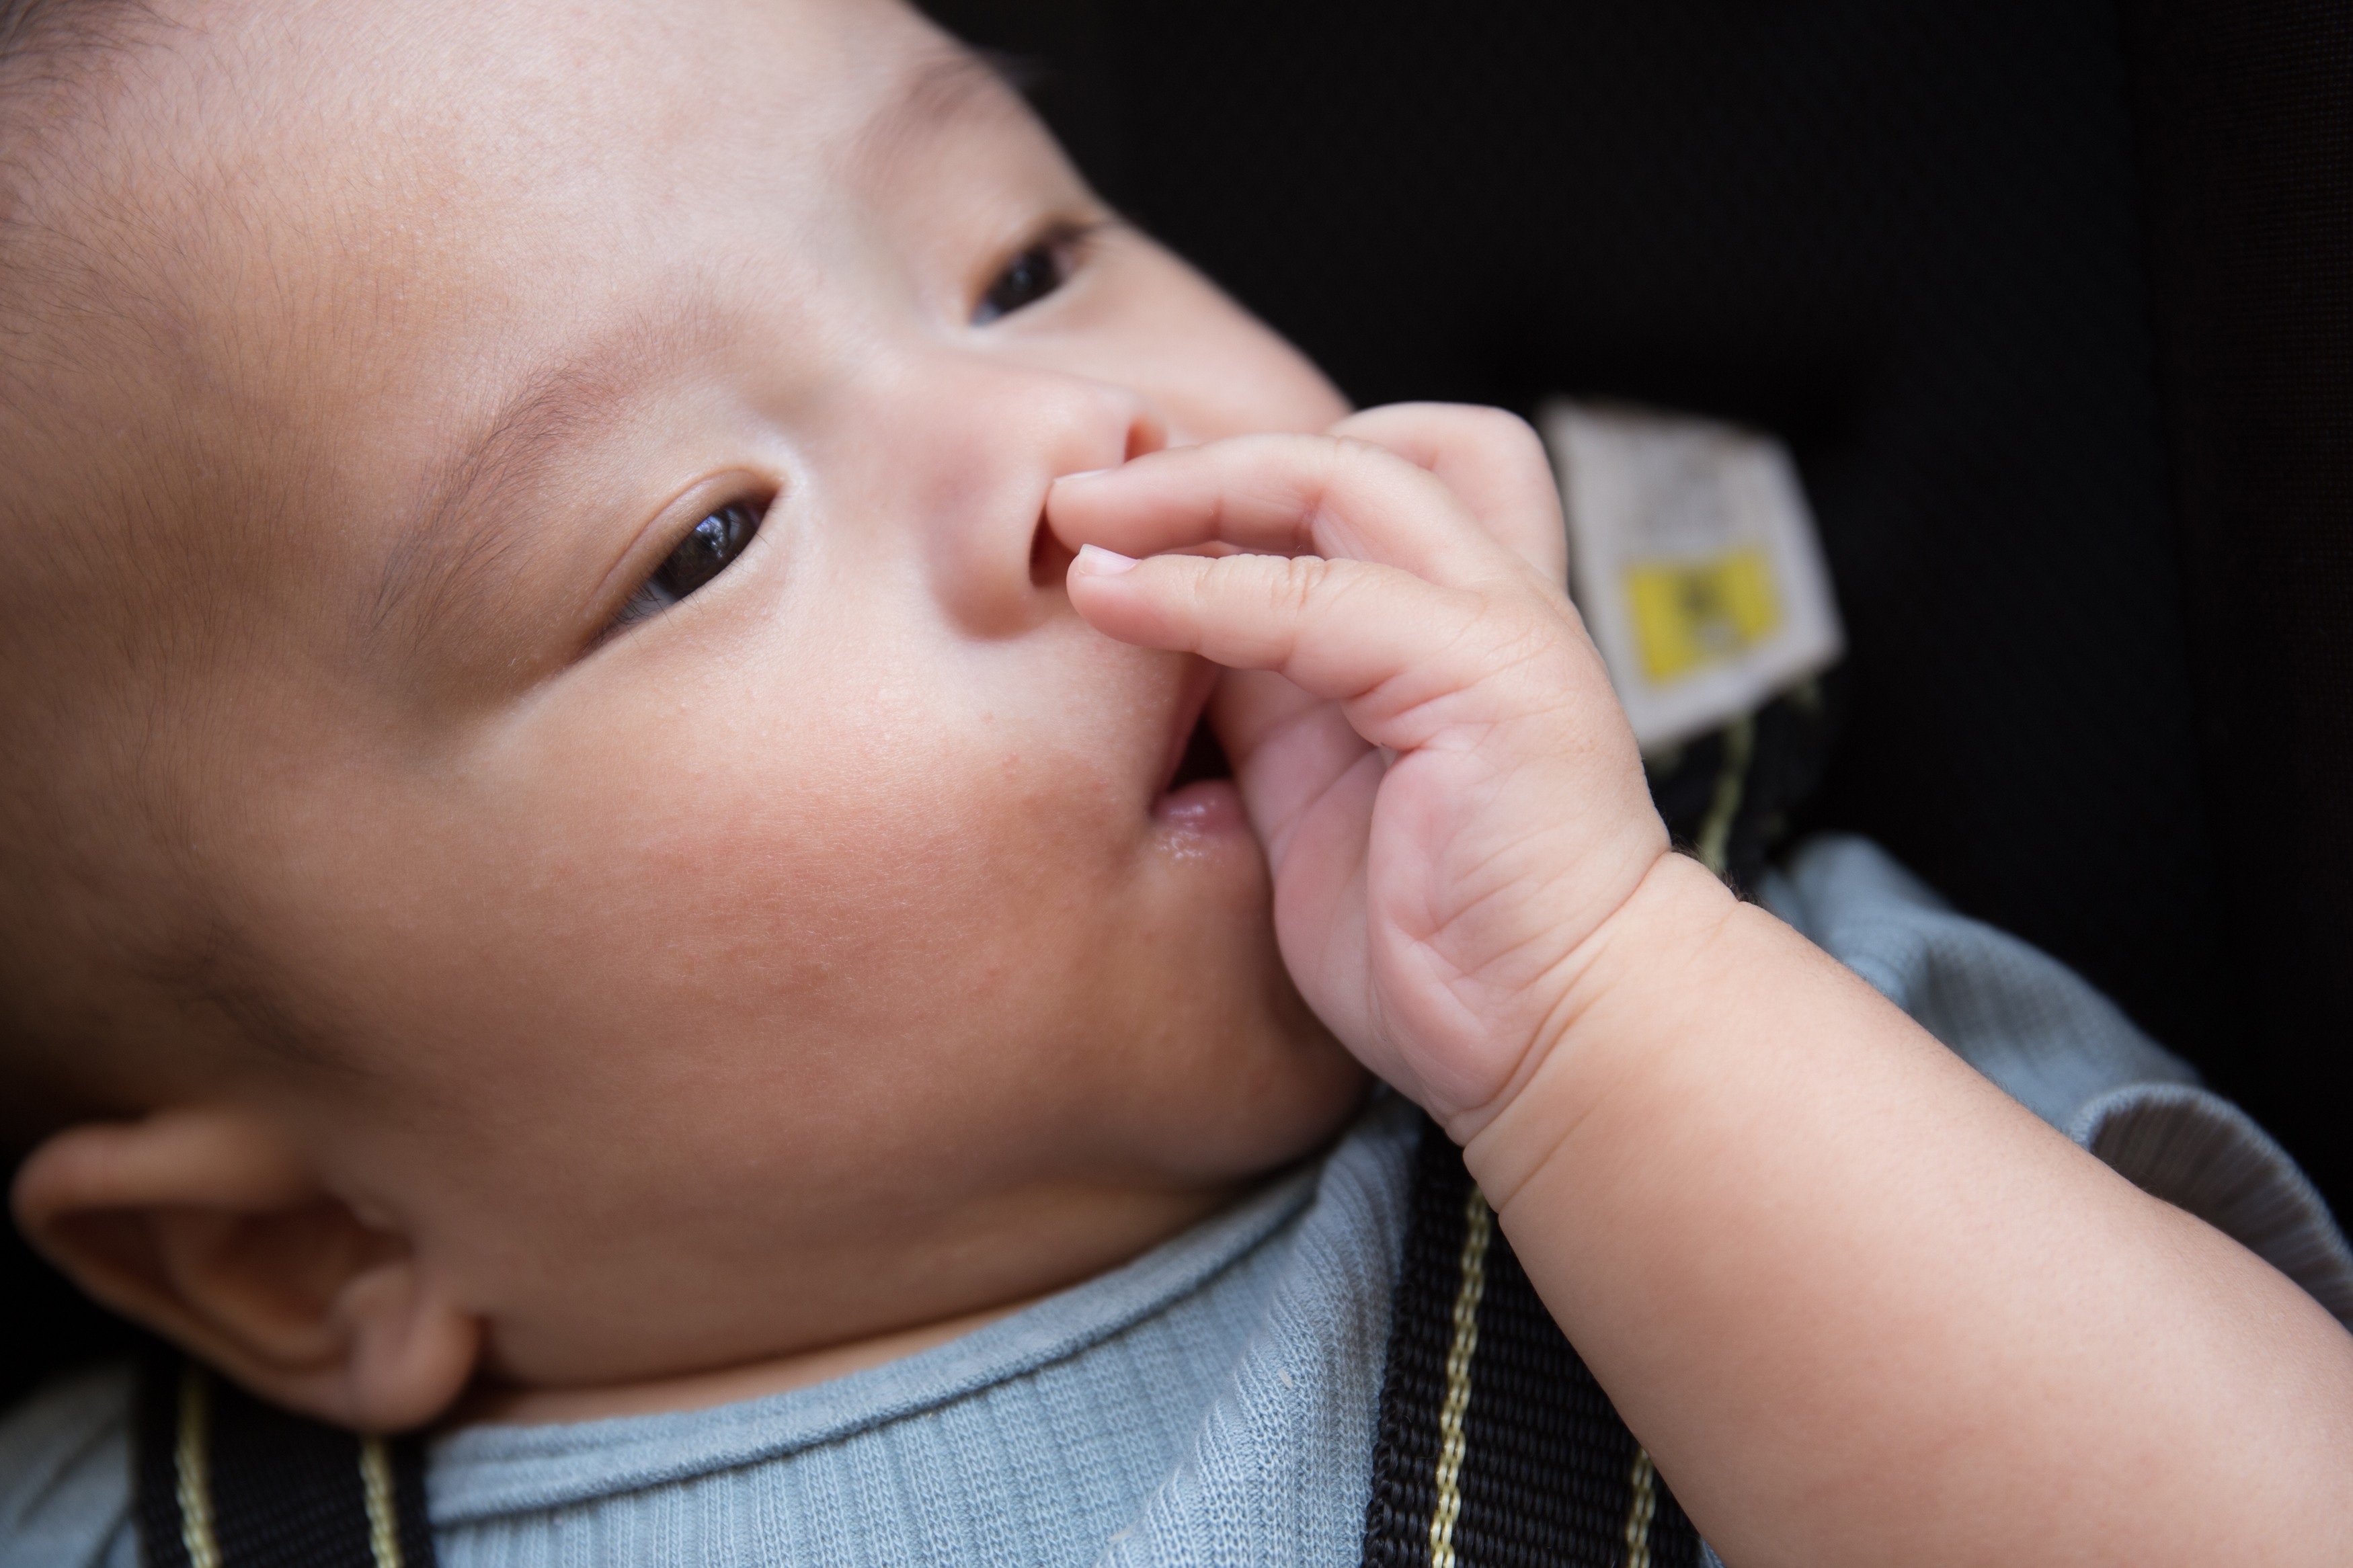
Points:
[(906, 953)]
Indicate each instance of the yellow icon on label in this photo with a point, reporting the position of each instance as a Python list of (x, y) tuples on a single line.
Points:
[(1689, 615)]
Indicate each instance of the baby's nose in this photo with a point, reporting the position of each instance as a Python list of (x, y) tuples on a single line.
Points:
[(998, 568)]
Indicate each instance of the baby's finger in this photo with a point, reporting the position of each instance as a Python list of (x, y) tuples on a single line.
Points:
[(1343, 630), (1490, 459), (1288, 747), (1283, 495)]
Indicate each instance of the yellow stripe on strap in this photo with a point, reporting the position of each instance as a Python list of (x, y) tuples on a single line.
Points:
[(375, 1480), (1478, 1223), (1639, 1512), (192, 1469)]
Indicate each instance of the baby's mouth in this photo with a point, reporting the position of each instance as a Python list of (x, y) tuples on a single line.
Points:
[(1204, 758), (1199, 776)]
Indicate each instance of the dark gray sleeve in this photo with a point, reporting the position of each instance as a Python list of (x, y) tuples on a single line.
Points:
[(2064, 1051)]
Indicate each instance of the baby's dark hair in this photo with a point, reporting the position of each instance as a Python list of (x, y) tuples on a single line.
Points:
[(59, 67), (49, 50), (46, 35), (53, 55), (26, 26)]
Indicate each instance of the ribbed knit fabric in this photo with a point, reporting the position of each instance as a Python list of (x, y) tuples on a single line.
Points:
[(1213, 1401)]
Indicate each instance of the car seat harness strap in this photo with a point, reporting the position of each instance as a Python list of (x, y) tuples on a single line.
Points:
[(226, 1482), (1496, 1445)]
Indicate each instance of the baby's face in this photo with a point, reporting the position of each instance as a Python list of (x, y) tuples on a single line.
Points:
[(744, 938)]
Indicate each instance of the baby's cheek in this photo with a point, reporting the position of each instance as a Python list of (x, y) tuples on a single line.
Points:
[(899, 947), (826, 920)]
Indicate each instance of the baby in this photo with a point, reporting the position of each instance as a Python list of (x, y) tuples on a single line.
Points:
[(605, 606)]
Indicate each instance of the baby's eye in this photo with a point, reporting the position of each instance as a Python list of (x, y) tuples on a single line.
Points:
[(1026, 278), (709, 548)]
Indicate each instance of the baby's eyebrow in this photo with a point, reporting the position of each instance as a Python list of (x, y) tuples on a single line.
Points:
[(946, 84), (460, 540)]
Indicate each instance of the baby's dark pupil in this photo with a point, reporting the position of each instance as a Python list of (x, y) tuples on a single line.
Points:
[(703, 554), (1034, 274)]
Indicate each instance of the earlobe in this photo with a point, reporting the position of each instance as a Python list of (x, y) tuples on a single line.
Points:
[(207, 1226)]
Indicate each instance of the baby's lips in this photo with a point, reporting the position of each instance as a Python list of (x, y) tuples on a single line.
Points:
[(1193, 702)]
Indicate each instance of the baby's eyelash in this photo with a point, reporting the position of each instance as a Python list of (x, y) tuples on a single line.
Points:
[(709, 548), (1040, 268)]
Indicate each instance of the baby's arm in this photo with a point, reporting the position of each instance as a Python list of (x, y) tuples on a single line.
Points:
[(1859, 1306)]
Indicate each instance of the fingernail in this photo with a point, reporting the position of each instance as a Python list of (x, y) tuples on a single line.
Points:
[(1081, 474), (1096, 562)]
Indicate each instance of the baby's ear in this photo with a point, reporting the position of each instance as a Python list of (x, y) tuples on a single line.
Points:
[(207, 1226)]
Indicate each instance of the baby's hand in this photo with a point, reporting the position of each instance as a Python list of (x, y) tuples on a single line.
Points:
[(1859, 1305), (1448, 793)]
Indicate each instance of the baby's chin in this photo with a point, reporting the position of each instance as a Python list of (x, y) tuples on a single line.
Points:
[(941, 1235), (1205, 1145), (1228, 1072), (1250, 1081)]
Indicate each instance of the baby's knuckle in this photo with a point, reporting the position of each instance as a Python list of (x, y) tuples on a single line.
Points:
[(1351, 455), (1301, 581), (1512, 632)]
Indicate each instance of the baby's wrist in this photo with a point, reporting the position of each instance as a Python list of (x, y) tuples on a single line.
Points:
[(1648, 962)]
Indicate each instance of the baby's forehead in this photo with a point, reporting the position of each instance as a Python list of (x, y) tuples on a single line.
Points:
[(403, 197), (363, 164), (362, 240)]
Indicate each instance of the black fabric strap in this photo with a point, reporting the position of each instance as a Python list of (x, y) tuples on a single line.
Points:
[(224, 1481), (1496, 1447)]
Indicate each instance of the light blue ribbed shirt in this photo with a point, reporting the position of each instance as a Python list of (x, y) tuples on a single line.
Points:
[(1213, 1401)]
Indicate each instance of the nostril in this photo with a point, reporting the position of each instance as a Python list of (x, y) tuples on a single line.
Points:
[(1144, 434), (1050, 558)]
